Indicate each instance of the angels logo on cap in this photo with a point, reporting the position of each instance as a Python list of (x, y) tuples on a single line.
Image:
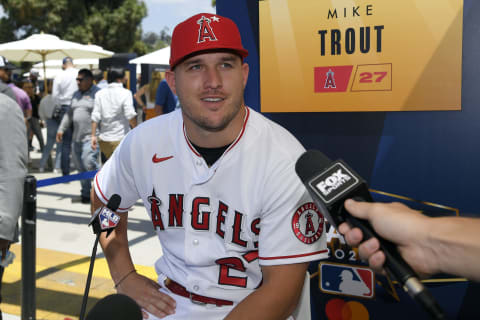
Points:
[(204, 31)]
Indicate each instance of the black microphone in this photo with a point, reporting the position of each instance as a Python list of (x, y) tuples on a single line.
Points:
[(330, 184), (103, 220), (115, 306)]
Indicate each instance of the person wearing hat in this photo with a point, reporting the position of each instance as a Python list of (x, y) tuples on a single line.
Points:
[(237, 227), (4, 88), (21, 97), (64, 86)]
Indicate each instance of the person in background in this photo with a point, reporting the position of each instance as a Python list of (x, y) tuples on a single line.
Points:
[(20, 96), (79, 114), (165, 100), (35, 124), (98, 79), (46, 108), (13, 169), (113, 108), (145, 96), (64, 85), (4, 88), (33, 77)]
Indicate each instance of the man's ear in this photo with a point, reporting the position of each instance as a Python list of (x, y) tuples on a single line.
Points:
[(245, 71), (170, 77)]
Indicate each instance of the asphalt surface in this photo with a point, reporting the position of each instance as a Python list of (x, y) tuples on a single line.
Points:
[(64, 244)]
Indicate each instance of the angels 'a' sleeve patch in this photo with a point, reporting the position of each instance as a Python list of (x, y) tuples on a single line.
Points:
[(308, 223)]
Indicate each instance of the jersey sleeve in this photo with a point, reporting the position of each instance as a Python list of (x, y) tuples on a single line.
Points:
[(116, 177), (292, 229)]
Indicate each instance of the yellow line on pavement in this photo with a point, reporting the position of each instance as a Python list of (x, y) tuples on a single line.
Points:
[(60, 283)]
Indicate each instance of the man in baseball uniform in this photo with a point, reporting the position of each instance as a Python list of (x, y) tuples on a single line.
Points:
[(236, 225)]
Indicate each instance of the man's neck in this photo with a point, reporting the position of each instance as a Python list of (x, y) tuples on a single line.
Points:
[(215, 139)]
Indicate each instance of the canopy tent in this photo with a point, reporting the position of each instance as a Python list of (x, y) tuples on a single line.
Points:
[(39, 47), (161, 57)]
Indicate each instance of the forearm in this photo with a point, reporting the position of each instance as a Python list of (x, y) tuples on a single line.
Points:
[(456, 244), (277, 297), (115, 247), (65, 123), (139, 100), (94, 128)]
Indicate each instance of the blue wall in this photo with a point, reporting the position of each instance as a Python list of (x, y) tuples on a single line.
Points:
[(429, 156)]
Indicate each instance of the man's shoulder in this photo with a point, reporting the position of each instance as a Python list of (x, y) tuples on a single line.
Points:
[(9, 107), (271, 133), (5, 89)]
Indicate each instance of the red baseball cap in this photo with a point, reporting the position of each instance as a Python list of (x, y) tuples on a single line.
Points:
[(204, 31)]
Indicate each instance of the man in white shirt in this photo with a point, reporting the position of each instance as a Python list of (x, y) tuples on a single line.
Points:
[(64, 86), (113, 109)]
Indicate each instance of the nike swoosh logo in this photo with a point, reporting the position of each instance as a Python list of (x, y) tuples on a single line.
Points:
[(157, 160)]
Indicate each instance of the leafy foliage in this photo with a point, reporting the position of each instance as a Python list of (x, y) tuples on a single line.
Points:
[(155, 41), (112, 24)]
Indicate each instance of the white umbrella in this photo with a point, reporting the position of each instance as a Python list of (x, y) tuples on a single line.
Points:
[(79, 63), (38, 47), (161, 56)]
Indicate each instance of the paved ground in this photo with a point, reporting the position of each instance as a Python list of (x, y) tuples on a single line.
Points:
[(64, 245)]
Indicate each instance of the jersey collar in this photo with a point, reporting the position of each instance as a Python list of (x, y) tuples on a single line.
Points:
[(237, 139)]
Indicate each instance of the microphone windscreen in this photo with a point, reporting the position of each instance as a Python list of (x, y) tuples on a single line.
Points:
[(311, 163), (114, 202), (115, 306)]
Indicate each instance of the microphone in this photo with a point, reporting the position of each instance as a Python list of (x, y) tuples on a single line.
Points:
[(115, 306), (330, 184), (103, 220)]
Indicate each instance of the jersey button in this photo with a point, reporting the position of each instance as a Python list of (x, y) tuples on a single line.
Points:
[(195, 288), (199, 163), (196, 242)]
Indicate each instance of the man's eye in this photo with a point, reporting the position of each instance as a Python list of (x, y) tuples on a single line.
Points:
[(195, 67), (226, 65)]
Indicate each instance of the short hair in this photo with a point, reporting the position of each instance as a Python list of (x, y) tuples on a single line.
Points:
[(114, 74), (86, 73), (97, 74), (67, 60), (26, 81)]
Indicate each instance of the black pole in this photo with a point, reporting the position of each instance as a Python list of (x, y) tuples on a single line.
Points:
[(29, 234), (89, 278)]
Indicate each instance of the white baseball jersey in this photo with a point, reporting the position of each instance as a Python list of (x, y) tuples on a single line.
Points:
[(217, 225)]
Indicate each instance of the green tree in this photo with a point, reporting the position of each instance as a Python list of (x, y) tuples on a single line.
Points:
[(112, 24), (155, 41)]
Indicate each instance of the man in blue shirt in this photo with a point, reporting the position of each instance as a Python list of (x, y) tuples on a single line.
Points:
[(165, 100)]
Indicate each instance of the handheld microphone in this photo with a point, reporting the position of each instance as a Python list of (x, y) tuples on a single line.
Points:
[(103, 220), (115, 306), (330, 184)]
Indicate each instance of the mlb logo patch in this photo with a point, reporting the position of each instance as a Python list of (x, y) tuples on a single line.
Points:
[(342, 279), (108, 219)]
